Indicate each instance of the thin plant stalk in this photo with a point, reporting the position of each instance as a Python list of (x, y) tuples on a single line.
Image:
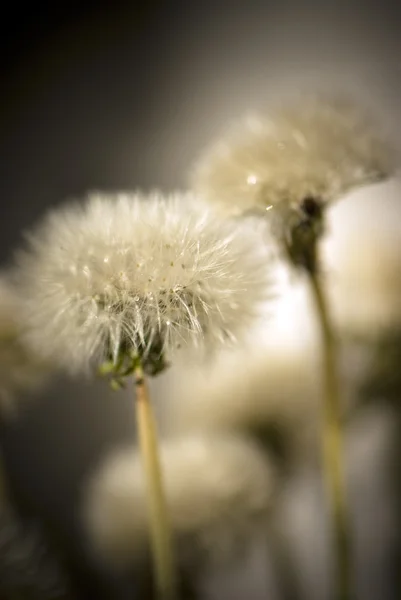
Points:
[(159, 521), (333, 444)]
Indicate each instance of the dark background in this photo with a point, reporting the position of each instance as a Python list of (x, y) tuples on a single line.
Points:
[(101, 97)]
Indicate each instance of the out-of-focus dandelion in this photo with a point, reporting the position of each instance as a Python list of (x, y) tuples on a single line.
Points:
[(318, 147), (20, 369), (271, 394), (121, 282), (361, 251), (219, 487), (297, 162)]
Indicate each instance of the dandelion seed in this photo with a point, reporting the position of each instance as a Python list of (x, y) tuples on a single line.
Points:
[(252, 180), (219, 490)]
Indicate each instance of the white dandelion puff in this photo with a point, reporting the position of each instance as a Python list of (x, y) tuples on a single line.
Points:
[(138, 271), (20, 369), (319, 147), (219, 491)]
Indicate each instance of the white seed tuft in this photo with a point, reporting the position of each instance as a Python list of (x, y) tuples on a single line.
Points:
[(136, 269)]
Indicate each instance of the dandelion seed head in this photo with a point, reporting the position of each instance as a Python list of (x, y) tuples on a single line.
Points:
[(319, 147), (134, 269), (219, 490)]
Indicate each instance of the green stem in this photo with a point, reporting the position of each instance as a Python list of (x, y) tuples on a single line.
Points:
[(159, 521), (333, 450)]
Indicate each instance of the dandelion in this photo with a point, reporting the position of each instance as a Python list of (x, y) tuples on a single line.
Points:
[(297, 162), (219, 488), (271, 394), (120, 283), (319, 147), (366, 289), (150, 274), (20, 369)]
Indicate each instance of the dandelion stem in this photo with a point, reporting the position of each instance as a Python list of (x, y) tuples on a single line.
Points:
[(160, 529), (333, 449)]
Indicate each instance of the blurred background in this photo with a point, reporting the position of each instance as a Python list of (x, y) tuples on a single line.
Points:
[(125, 97)]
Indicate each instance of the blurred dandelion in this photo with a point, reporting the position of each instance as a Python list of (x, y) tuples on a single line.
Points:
[(220, 489), (297, 162), (120, 283), (361, 252), (318, 147), (266, 392), (20, 369)]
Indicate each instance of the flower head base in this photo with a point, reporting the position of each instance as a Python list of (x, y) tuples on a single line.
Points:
[(219, 489), (139, 274), (299, 228), (320, 148)]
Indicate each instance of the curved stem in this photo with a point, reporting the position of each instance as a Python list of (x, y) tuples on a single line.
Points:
[(333, 450), (159, 521)]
